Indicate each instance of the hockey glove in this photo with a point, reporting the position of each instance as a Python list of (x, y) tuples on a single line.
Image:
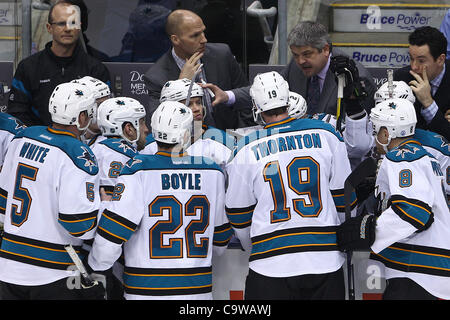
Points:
[(356, 233), (95, 287), (346, 66), (354, 85)]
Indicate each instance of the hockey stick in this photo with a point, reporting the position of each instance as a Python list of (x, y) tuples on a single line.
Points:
[(390, 76), (188, 98), (339, 111), (365, 169), (79, 264)]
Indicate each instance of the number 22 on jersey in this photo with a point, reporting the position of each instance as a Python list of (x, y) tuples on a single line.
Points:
[(174, 208)]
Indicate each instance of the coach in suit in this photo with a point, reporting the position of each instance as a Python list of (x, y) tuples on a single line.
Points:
[(307, 73), (429, 77), (191, 53)]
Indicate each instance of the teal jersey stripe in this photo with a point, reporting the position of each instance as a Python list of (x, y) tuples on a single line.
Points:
[(36, 254), (415, 259), (241, 219), (165, 281), (339, 199), (414, 213), (295, 239), (77, 225), (114, 228), (222, 235)]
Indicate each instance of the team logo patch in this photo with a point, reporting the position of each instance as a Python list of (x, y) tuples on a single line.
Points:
[(182, 110), (132, 162), (89, 159), (120, 102), (392, 105), (124, 146), (403, 151), (19, 125), (444, 142), (79, 92)]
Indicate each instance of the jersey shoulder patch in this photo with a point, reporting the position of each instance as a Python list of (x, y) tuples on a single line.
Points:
[(409, 152), (120, 145), (80, 154), (433, 140), (10, 123), (165, 162)]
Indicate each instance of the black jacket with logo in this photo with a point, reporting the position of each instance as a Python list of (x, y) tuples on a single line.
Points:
[(37, 76)]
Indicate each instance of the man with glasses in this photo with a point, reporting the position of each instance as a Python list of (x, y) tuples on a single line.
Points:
[(62, 60)]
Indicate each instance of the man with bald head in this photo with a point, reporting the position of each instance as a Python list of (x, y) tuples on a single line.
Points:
[(191, 53)]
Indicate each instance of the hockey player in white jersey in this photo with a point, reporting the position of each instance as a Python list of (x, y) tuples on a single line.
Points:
[(101, 92), (285, 198), (121, 121), (9, 127), (207, 141), (50, 182), (410, 234), (433, 142), (168, 214)]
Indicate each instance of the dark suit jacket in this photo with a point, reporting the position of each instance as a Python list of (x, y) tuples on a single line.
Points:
[(221, 68), (298, 82), (442, 98)]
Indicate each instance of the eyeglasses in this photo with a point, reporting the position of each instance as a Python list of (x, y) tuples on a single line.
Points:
[(62, 24)]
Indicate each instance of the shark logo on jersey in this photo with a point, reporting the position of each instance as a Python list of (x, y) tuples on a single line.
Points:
[(132, 162), (79, 93), (402, 151), (120, 102), (444, 142), (182, 111), (124, 146), (19, 125), (88, 158)]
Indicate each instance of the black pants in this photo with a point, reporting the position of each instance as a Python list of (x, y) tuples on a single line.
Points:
[(57, 290), (405, 289), (326, 286)]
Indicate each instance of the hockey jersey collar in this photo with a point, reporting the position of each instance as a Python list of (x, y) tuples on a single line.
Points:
[(409, 140), (169, 154), (61, 131), (277, 123)]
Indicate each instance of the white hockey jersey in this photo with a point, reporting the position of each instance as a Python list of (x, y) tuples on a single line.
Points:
[(413, 232), (168, 212), (357, 135), (9, 127), (112, 154), (95, 139), (286, 187), (439, 148), (150, 145), (50, 182), (213, 144)]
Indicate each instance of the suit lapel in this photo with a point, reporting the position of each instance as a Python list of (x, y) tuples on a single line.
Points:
[(209, 67), (171, 66), (442, 97)]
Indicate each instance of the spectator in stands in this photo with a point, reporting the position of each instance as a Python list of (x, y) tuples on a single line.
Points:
[(308, 73), (429, 78), (191, 50), (62, 60)]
